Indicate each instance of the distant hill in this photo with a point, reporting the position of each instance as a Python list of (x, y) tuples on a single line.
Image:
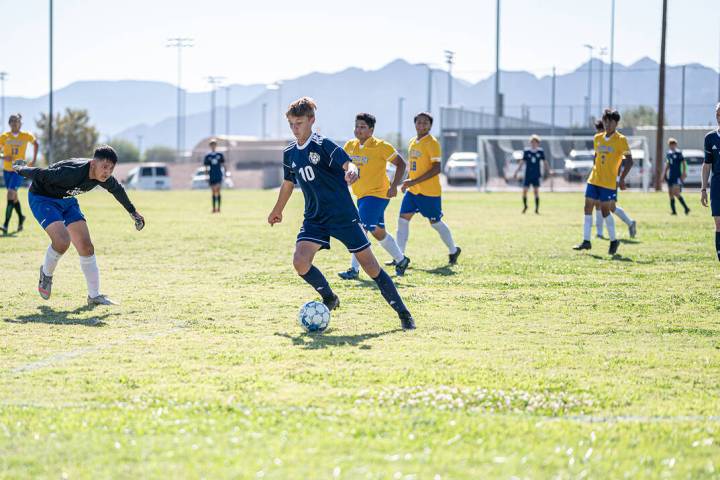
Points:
[(130, 108)]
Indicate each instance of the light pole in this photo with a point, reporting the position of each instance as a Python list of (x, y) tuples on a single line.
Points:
[(3, 76), (179, 43), (603, 52), (449, 59), (213, 81), (227, 111), (659, 143), (498, 99), (429, 89), (588, 100), (263, 127), (278, 86), (612, 52), (50, 94), (400, 121)]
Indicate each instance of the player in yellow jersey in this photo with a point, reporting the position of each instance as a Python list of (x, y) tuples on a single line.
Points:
[(13, 145), (373, 188), (611, 153), (422, 189)]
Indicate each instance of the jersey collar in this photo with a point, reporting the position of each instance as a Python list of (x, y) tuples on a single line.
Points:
[(370, 142), (302, 147)]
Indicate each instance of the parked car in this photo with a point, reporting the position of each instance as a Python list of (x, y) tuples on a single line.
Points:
[(148, 176), (201, 177), (511, 163), (694, 159), (461, 166), (578, 165), (634, 178)]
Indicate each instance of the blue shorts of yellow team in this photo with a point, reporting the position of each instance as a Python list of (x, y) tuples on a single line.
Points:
[(351, 235), (715, 196), (428, 207), (534, 181), (48, 210), (600, 193), (372, 212), (13, 180)]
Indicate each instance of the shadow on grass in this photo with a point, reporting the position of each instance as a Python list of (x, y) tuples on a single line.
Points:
[(615, 258), (444, 271), (54, 317), (365, 283), (314, 341), (629, 241)]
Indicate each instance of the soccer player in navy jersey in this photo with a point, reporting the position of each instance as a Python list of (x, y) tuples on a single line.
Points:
[(712, 165), (215, 164), (324, 170), (52, 201), (674, 174), (532, 158)]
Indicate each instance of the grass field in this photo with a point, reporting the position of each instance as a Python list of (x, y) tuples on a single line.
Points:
[(530, 360)]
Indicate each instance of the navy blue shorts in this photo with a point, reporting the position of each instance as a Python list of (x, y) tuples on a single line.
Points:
[(715, 197), (215, 179), (534, 181), (48, 210), (13, 180), (428, 207), (351, 235), (674, 181), (600, 193), (372, 212)]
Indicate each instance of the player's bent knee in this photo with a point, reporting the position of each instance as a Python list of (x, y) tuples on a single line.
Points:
[(86, 249), (301, 263)]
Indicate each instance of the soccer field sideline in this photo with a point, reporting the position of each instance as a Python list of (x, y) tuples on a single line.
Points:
[(575, 342)]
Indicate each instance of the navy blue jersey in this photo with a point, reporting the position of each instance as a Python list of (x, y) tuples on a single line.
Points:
[(712, 151), (532, 159), (214, 160), (317, 167), (674, 160)]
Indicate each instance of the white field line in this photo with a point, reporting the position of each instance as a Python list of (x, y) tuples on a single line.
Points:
[(61, 357)]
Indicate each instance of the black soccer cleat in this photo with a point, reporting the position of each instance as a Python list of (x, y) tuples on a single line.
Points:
[(406, 321), (687, 211), (349, 274), (20, 223), (402, 266), (613, 247), (4, 229), (391, 263), (332, 303), (452, 258), (585, 245)]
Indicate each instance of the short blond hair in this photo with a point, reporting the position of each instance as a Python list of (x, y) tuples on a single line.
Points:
[(671, 140), (302, 107), (535, 137)]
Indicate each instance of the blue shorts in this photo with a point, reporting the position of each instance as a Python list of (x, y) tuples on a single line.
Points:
[(215, 179), (351, 235), (47, 210), (534, 181), (372, 212), (13, 180), (428, 207), (715, 197), (673, 181), (600, 193)]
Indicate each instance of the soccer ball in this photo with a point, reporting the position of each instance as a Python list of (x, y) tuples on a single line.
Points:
[(314, 317)]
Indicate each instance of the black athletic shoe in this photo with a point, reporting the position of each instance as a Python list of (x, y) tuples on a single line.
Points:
[(524, 209), (332, 303), (613, 247), (20, 223), (452, 258), (585, 245), (402, 266), (4, 229), (687, 211), (391, 263), (349, 274), (406, 321), (673, 213)]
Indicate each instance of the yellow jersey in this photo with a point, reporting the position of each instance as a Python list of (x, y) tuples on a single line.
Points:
[(371, 158), (609, 153), (421, 156), (14, 147)]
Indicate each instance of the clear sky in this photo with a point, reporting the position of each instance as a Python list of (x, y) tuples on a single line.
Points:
[(263, 41)]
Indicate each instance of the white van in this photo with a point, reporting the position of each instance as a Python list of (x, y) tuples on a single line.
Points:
[(694, 160), (148, 176)]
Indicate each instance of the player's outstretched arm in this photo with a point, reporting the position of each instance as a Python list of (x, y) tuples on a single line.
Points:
[(665, 171), (286, 190), (627, 164)]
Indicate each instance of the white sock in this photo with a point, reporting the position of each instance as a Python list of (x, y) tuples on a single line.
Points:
[(445, 234), (391, 246), (92, 275), (354, 264), (403, 232), (610, 222), (587, 227), (51, 260), (622, 215), (599, 222)]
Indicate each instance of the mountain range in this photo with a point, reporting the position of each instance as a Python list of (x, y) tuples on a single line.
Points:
[(134, 109)]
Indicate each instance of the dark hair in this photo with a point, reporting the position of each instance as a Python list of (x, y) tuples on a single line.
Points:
[(302, 107), (368, 118), (611, 114), (105, 152), (15, 116), (424, 114), (599, 126)]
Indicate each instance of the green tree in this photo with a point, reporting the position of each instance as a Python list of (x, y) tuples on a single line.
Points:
[(126, 150), (639, 116), (73, 136), (159, 153)]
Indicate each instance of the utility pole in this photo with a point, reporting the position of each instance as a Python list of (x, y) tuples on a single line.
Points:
[(400, 121), (449, 59), (50, 95), (552, 103), (263, 116), (3, 76), (682, 109), (180, 43), (213, 81), (227, 111), (498, 98), (429, 89), (603, 52), (588, 101), (612, 52), (661, 103)]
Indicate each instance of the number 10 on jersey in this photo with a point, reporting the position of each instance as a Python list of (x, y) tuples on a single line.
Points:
[(307, 173)]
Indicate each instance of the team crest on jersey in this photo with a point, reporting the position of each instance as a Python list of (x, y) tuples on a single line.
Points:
[(314, 158)]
